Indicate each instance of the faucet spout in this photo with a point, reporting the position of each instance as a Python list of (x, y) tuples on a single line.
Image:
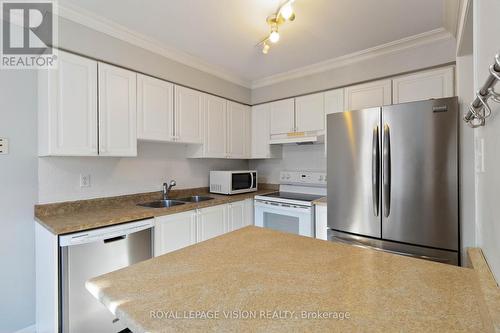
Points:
[(167, 188)]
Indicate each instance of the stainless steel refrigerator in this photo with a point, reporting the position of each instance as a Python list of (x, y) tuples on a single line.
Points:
[(393, 178)]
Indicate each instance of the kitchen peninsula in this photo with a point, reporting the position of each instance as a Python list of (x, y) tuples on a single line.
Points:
[(251, 271)]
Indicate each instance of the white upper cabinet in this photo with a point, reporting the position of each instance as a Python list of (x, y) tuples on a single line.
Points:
[(68, 107), (215, 127), (282, 116), (310, 113), (238, 121), (367, 95), (117, 111), (173, 232), (261, 131), (188, 115), (334, 101), (212, 222), (436, 83), (155, 111)]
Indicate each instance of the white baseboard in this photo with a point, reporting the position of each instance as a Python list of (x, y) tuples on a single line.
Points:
[(29, 329)]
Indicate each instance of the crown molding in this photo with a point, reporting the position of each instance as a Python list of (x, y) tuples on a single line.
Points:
[(101, 24), (352, 58), (108, 27)]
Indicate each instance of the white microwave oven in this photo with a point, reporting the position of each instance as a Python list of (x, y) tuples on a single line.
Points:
[(233, 182)]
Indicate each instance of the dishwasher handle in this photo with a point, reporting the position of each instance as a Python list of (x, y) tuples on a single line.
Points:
[(114, 239)]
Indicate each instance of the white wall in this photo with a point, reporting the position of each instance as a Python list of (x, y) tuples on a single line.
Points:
[(295, 158), (465, 91), (486, 44), (156, 163), (18, 195)]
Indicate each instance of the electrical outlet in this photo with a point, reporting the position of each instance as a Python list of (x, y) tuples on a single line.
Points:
[(4, 146), (84, 180)]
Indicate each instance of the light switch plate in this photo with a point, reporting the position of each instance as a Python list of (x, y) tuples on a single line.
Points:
[(4, 146)]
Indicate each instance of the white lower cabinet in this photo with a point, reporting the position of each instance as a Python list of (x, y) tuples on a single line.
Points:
[(211, 222), (173, 232), (321, 221), (176, 231)]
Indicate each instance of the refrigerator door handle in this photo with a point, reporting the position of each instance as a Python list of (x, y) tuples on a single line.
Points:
[(375, 171), (387, 170)]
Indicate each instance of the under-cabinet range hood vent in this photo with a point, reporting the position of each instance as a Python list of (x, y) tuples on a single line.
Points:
[(300, 138)]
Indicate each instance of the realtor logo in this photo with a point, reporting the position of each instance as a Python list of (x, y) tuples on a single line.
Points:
[(28, 33)]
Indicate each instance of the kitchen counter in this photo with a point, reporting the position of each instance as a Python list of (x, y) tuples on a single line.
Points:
[(263, 271), (487, 282), (321, 201), (68, 217)]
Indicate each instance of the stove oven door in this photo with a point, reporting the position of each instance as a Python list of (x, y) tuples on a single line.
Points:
[(295, 219)]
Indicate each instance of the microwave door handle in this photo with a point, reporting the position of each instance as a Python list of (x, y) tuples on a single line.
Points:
[(251, 180)]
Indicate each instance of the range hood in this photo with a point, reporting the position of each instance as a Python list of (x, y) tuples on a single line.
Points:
[(300, 138)]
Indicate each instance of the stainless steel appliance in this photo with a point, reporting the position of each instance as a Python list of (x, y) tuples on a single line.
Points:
[(233, 182), (92, 253), (291, 209), (393, 178)]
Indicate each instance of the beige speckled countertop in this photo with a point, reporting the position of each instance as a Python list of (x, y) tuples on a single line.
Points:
[(68, 217), (321, 202), (254, 269), (489, 286)]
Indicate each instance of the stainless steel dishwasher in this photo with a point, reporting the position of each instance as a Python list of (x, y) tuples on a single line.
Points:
[(91, 253)]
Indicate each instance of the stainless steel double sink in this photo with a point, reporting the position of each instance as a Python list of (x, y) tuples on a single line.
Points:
[(175, 202)]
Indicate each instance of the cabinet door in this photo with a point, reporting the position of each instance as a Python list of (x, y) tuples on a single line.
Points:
[(437, 83), (173, 232), (237, 215), (215, 127), (154, 109), (334, 103), (117, 111), (310, 113), (238, 129), (212, 222), (261, 131), (68, 107), (282, 116), (188, 115), (368, 95), (321, 221), (249, 212)]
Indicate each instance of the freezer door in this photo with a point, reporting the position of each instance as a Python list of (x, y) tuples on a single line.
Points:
[(353, 171), (419, 173)]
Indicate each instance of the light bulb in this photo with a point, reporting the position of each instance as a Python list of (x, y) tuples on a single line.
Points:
[(287, 11), (274, 36), (265, 48)]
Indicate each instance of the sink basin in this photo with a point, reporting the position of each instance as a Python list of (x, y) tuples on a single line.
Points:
[(195, 198), (162, 203)]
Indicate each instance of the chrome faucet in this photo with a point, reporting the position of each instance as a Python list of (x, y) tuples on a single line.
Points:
[(167, 188)]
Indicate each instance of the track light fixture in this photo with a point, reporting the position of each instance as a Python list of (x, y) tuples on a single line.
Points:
[(284, 13)]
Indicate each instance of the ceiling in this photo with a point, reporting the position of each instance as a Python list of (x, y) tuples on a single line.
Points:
[(224, 33)]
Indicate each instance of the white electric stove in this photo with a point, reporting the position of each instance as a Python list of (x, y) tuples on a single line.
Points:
[(291, 208)]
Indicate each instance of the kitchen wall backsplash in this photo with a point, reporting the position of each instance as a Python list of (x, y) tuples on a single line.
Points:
[(59, 177), (295, 158)]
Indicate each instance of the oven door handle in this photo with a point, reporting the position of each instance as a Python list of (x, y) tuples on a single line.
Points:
[(280, 205)]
